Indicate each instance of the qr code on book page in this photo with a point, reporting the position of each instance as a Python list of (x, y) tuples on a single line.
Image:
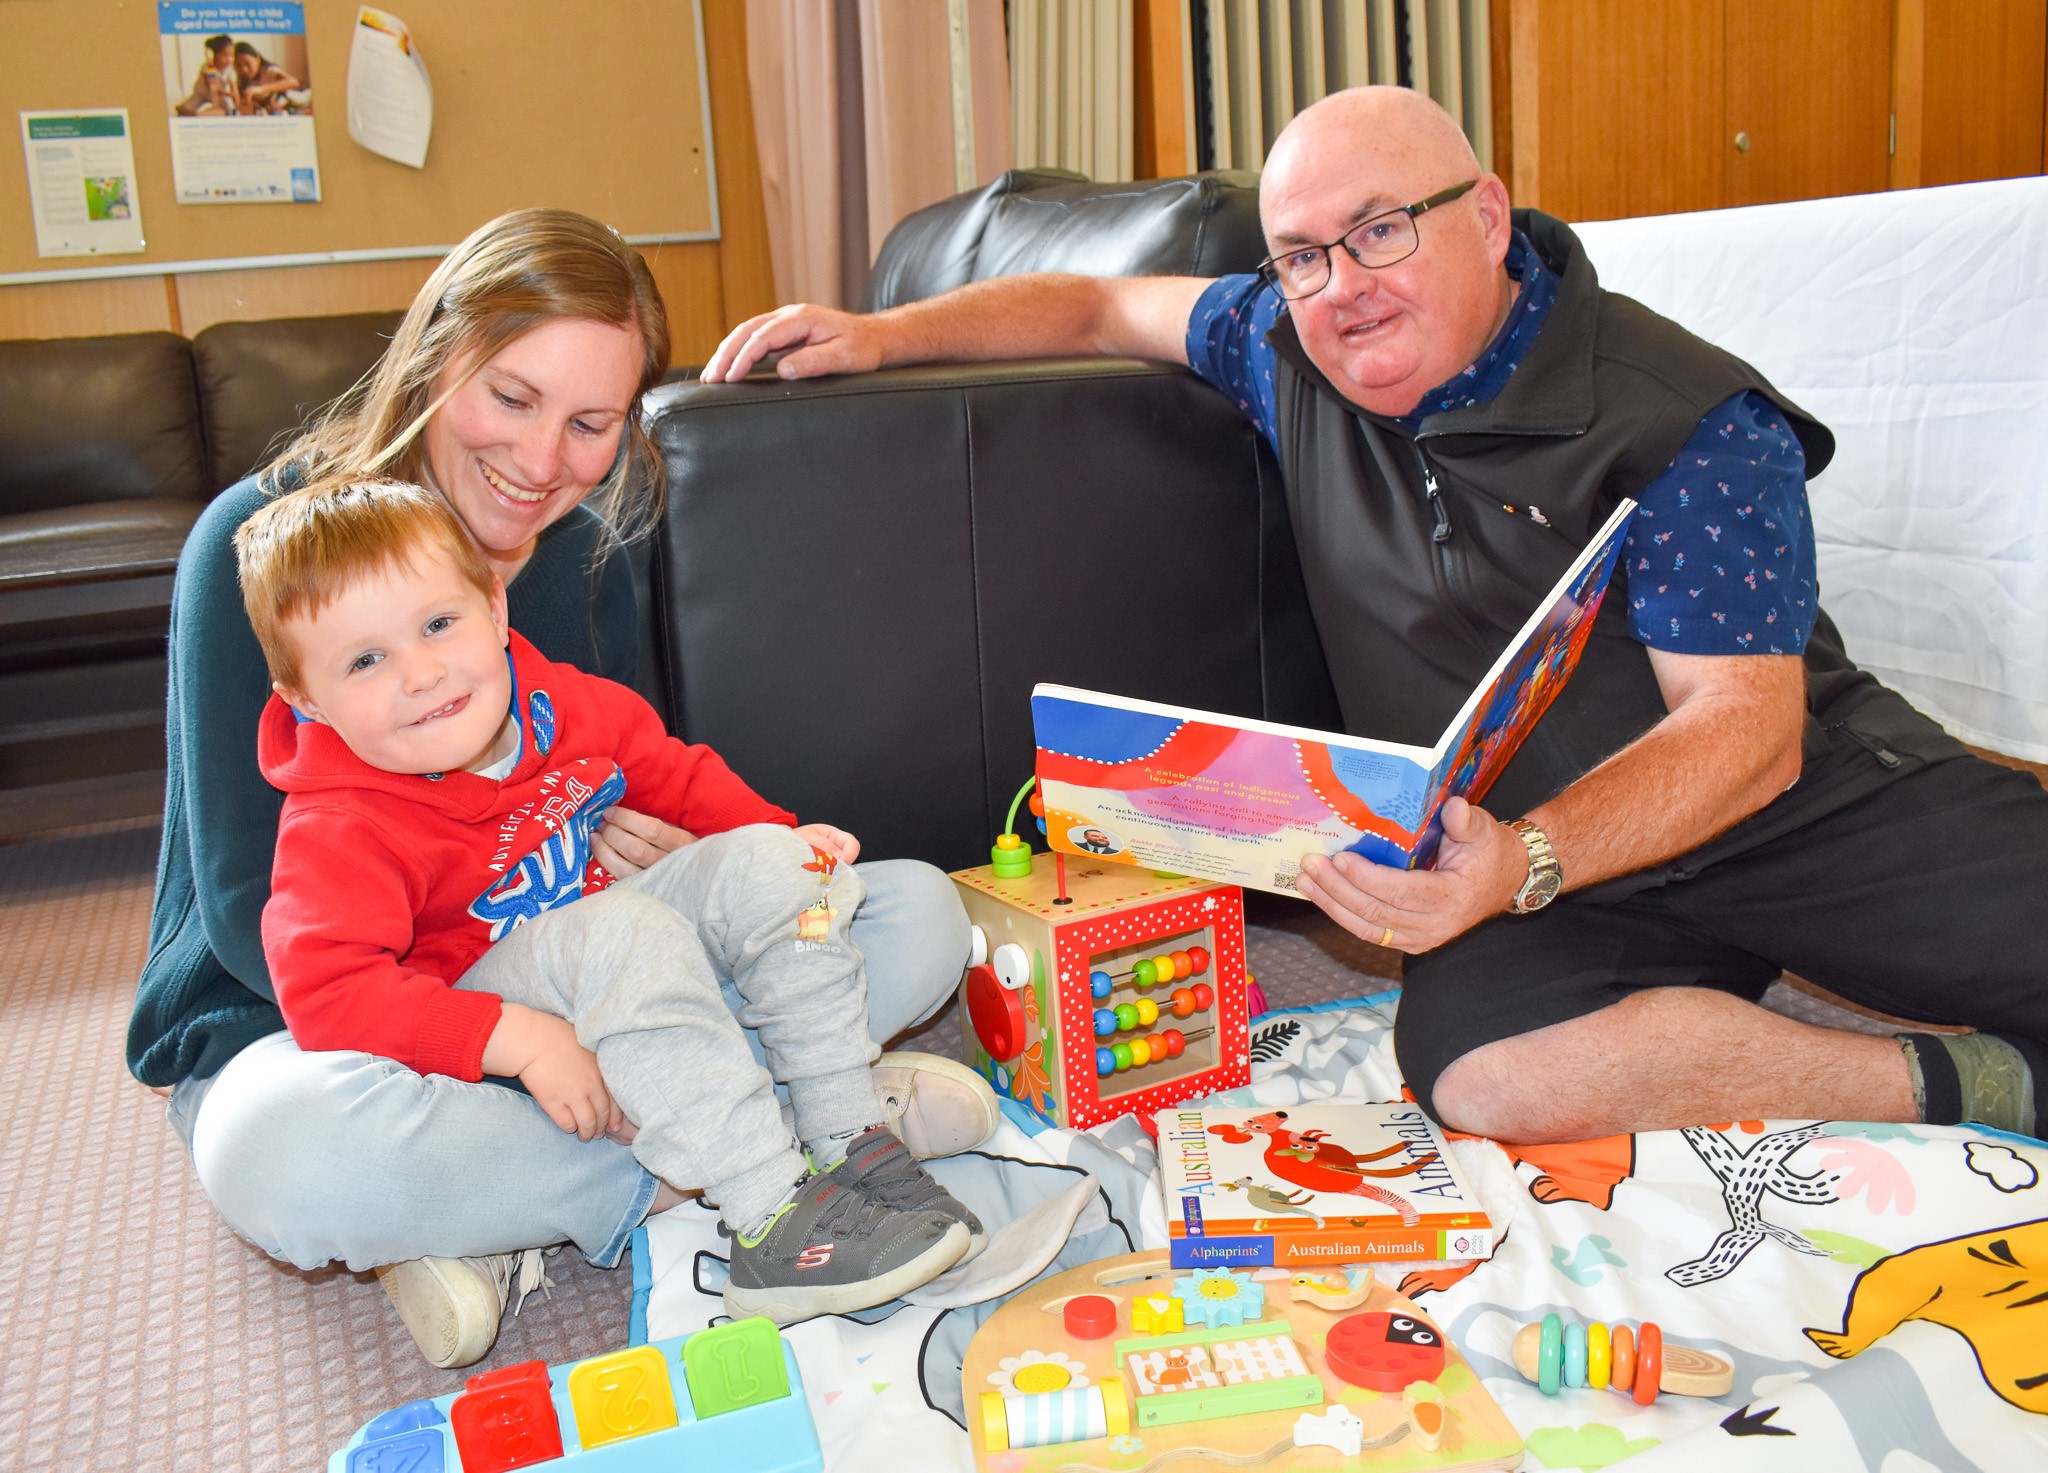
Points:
[(1283, 879)]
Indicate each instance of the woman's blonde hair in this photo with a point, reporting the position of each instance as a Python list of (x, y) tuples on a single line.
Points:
[(515, 274)]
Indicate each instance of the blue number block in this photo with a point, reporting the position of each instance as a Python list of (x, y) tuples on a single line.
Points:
[(411, 1416), (423, 1450)]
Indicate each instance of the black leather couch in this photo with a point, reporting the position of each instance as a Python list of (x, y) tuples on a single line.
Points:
[(860, 579), (857, 580), (109, 449)]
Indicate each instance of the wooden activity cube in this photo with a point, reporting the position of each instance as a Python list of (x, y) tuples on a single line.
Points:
[(1027, 1013)]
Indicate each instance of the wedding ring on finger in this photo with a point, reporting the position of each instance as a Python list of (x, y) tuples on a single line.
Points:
[(1387, 937)]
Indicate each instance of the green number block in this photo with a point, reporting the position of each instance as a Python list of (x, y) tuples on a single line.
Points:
[(736, 1365)]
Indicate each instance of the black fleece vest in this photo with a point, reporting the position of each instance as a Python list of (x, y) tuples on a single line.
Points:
[(1422, 557)]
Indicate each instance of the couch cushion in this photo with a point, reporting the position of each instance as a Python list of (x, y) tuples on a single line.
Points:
[(1204, 225), (85, 420), (259, 381), (862, 577), (94, 542), (1050, 220), (932, 250)]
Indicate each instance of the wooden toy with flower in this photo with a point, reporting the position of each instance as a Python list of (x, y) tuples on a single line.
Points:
[(1096, 989), (1120, 1363)]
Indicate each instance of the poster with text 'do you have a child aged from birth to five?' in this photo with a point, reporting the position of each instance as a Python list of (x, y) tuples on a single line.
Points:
[(240, 90)]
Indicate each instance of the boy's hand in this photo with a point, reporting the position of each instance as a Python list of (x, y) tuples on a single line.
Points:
[(628, 842), (560, 1073), (837, 842)]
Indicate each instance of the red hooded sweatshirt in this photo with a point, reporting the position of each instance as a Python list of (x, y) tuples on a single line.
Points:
[(388, 886)]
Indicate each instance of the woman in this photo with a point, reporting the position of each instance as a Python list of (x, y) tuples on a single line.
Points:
[(263, 82), (511, 387)]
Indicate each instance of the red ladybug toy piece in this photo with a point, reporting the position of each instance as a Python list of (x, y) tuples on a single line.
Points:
[(1386, 1350)]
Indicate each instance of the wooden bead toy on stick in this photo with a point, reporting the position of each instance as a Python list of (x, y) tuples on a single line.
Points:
[(1639, 1362)]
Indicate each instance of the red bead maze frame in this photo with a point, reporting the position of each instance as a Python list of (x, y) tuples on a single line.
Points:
[(1028, 1018)]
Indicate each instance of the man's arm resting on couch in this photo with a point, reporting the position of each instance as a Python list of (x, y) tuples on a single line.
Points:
[(1034, 316)]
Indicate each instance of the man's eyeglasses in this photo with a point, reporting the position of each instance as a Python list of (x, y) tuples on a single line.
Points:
[(1380, 241)]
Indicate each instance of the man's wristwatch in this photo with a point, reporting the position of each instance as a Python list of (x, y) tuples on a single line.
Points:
[(1546, 876)]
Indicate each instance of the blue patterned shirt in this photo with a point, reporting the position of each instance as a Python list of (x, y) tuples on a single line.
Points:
[(1720, 556)]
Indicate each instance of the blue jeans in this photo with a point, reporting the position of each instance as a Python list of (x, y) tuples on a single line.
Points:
[(318, 1157)]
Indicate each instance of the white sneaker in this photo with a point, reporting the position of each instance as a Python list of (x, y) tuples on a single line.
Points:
[(935, 1106), (452, 1306)]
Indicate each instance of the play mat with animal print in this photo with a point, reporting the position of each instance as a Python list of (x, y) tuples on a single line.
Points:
[(1882, 1290)]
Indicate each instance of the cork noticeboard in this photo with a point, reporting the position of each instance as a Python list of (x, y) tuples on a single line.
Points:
[(599, 107)]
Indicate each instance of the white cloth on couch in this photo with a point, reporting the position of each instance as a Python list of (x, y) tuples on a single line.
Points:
[(1915, 325)]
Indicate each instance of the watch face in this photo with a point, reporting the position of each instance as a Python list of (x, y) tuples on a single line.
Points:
[(1541, 889)]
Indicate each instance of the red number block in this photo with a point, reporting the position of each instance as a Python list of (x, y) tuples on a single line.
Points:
[(506, 1419)]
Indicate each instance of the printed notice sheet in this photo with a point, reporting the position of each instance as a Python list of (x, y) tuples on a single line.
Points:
[(240, 91), (81, 182), (390, 99)]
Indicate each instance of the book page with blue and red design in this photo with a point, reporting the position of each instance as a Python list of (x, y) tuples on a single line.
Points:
[(1241, 801)]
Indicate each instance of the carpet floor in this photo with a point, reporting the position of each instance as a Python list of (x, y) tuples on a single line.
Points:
[(140, 1332)]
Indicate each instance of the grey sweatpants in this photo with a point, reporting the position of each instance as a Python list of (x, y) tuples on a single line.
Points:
[(638, 969)]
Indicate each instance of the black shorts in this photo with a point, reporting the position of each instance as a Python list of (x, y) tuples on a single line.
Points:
[(1926, 899)]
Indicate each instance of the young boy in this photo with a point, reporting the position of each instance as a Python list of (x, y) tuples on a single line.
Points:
[(442, 782)]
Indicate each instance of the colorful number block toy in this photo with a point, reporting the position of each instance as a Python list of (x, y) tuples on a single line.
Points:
[(1099, 990), (728, 1397), (1638, 1362), (1251, 1391)]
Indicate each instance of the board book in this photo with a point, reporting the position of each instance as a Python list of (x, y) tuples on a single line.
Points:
[(1314, 1185), (1241, 801)]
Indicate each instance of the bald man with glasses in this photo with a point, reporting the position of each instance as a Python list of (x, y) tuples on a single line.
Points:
[(1719, 795)]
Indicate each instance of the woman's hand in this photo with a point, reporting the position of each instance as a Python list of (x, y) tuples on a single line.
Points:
[(628, 842), (836, 842)]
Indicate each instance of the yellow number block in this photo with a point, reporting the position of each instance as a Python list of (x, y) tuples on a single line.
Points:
[(621, 1395)]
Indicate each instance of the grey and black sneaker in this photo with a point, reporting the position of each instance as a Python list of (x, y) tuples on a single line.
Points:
[(830, 1250), (881, 1168)]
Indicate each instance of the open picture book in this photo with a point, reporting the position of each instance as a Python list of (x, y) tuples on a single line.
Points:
[(1241, 801)]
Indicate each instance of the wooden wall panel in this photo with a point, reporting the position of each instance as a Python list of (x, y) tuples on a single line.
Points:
[(1810, 85), (1971, 90), (1160, 140), (689, 276), (81, 309), (746, 271), (207, 297), (1616, 106)]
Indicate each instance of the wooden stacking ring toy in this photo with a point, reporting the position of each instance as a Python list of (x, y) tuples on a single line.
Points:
[(1639, 1362)]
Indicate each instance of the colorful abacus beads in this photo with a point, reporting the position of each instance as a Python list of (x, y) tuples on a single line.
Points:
[(1185, 1002), (1125, 1016), (1152, 971), (1136, 1053)]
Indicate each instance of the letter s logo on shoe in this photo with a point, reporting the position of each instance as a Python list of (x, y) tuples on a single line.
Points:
[(815, 1256)]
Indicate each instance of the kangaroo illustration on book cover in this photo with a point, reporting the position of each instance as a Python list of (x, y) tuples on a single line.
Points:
[(1314, 1184)]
